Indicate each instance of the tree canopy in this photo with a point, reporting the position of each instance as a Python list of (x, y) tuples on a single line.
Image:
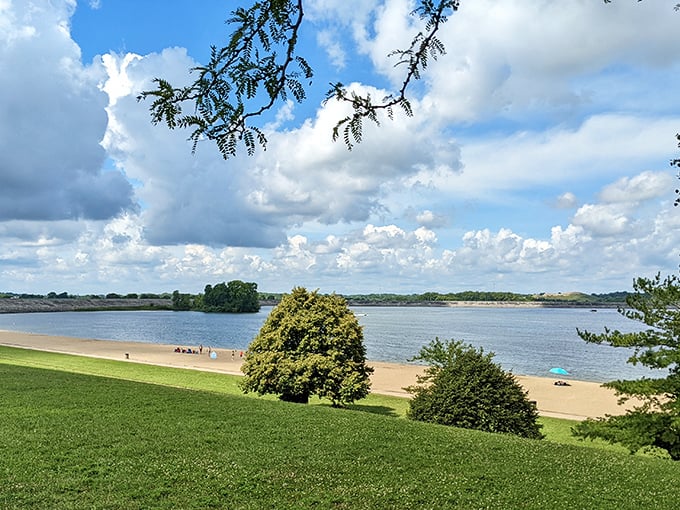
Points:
[(463, 387), (310, 344), (233, 297), (260, 66), (655, 423)]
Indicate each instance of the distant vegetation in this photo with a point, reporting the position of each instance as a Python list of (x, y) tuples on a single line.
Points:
[(187, 301), (571, 298), (66, 295), (233, 297)]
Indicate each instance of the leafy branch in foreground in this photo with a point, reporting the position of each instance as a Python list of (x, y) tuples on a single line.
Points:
[(260, 67), (242, 80), (424, 46)]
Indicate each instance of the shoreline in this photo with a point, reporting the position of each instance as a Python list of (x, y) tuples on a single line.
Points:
[(43, 305), (578, 401)]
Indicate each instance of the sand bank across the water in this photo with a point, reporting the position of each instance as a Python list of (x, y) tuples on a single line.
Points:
[(578, 401)]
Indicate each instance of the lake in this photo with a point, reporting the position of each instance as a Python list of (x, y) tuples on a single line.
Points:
[(527, 341)]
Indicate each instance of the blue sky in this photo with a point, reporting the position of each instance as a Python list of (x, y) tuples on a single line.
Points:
[(536, 161)]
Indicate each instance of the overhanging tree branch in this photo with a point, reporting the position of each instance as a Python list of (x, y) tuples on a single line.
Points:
[(260, 67), (425, 45), (244, 79)]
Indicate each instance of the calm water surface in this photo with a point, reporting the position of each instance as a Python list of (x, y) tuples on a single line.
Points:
[(525, 340)]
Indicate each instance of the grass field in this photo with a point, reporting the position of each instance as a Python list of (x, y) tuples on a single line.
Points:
[(85, 433)]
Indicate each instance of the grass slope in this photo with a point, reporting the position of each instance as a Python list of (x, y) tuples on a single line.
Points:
[(72, 440)]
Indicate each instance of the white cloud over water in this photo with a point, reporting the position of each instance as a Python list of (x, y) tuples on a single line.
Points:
[(531, 163)]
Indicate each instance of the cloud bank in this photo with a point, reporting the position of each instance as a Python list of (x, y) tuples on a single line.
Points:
[(531, 164)]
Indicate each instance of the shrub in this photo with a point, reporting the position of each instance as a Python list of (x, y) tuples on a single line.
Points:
[(462, 387)]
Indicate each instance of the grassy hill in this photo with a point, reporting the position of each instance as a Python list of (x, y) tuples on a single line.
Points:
[(78, 440)]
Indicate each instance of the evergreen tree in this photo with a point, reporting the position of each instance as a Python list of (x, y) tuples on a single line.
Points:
[(655, 423)]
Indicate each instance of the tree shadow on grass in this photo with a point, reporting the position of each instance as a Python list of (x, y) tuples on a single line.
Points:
[(374, 404), (366, 408), (383, 410)]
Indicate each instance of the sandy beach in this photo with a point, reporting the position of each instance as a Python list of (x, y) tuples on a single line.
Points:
[(578, 401)]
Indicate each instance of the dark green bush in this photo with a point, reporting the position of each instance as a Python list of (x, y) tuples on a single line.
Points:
[(463, 387)]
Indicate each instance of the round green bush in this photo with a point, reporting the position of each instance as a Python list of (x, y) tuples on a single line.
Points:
[(463, 387)]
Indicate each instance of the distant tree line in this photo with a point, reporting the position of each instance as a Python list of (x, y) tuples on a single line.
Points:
[(430, 297), (233, 297), (242, 296), (143, 295), (66, 295)]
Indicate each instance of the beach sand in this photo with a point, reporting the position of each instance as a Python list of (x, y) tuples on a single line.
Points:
[(578, 401)]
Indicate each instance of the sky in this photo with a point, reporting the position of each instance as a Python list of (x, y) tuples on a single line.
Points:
[(537, 158)]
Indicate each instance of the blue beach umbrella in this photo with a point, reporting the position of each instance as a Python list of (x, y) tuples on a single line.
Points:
[(559, 371)]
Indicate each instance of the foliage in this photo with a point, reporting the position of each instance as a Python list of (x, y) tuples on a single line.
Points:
[(259, 67), (149, 295), (310, 344), (181, 302), (424, 47), (572, 298), (462, 387), (75, 441), (656, 421), (61, 295), (233, 297)]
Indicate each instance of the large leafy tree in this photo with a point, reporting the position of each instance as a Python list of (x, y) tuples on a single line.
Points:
[(233, 297), (310, 344), (260, 66), (655, 423), (463, 387)]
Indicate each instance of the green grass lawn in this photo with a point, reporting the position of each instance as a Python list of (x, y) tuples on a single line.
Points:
[(86, 433)]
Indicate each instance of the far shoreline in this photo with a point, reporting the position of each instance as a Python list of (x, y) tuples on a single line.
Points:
[(42, 305)]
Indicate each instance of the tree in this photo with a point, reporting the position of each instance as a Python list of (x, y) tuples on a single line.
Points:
[(463, 387), (233, 297), (259, 66), (181, 301), (311, 344), (655, 423)]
